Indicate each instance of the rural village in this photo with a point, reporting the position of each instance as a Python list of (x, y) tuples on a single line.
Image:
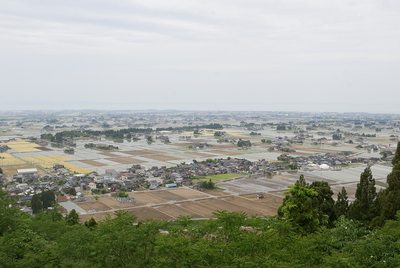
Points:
[(221, 155)]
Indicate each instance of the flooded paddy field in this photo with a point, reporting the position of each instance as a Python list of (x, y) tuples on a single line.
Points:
[(177, 151)]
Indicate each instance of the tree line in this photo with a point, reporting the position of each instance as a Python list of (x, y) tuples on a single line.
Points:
[(121, 133)]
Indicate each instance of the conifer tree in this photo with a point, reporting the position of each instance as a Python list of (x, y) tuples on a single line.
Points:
[(72, 218), (342, 204), (48, 198), (301, 208), (324, 200), (390, 198), (91, 224), (362, 209), (36, 203)]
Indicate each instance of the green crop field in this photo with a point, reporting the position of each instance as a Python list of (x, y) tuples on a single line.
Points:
[(219, 177)]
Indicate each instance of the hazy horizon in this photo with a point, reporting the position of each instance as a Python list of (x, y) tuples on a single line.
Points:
[(306, 55)]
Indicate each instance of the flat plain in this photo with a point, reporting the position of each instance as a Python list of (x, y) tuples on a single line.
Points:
[(169, 204)]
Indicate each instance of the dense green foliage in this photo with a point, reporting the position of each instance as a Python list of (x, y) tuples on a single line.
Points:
[(341, 206), (363, 208), (324, 201), (209, 185), (301, 208), (42, 201), (337, 136), (231, 240), (388, 201)]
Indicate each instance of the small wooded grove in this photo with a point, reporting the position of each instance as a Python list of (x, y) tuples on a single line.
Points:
[(310, 230)]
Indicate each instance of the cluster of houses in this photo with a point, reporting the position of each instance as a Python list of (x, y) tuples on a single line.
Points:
[(27, 182), (335, 161)]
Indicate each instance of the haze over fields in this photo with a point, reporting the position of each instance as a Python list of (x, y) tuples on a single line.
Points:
[(201, 55)]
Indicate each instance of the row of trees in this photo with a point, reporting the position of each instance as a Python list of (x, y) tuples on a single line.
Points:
[(191, 128)]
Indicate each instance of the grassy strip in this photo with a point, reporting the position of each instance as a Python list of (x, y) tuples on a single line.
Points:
[(219, 177)]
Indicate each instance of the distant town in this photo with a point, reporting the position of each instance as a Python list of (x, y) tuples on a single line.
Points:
[(162, 164)]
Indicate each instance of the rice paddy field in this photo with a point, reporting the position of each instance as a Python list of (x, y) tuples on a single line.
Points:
[(72, 168), (7, 159), (46, 159), (23, 146)]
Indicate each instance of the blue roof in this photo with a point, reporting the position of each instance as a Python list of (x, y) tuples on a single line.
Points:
[(171, 185)]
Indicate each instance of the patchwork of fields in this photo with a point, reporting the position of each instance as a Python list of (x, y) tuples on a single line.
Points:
[(170, 204)]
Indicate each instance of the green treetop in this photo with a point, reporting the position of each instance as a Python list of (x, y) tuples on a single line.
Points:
[(362, 209), (301, 209)]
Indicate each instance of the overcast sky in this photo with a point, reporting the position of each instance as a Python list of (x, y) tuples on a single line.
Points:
[(277, 55)]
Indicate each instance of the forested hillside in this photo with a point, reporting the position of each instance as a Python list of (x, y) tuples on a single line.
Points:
[(311, 230)]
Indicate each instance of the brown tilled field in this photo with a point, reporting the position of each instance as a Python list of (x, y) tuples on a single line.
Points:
[(200, 154), (161, 157), (141, 152), (269, 210), (235, 152), (169, 196), (114, 204), (94, 205), (147, 198), (175, 211), (219, 204), (43, 148), (216, 192), (105, 203), (164, 196), (158, 207), (96, 216), (187, 193), (126, 160), (93, 163), (109, 154), (144, 213), (199, 209)]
